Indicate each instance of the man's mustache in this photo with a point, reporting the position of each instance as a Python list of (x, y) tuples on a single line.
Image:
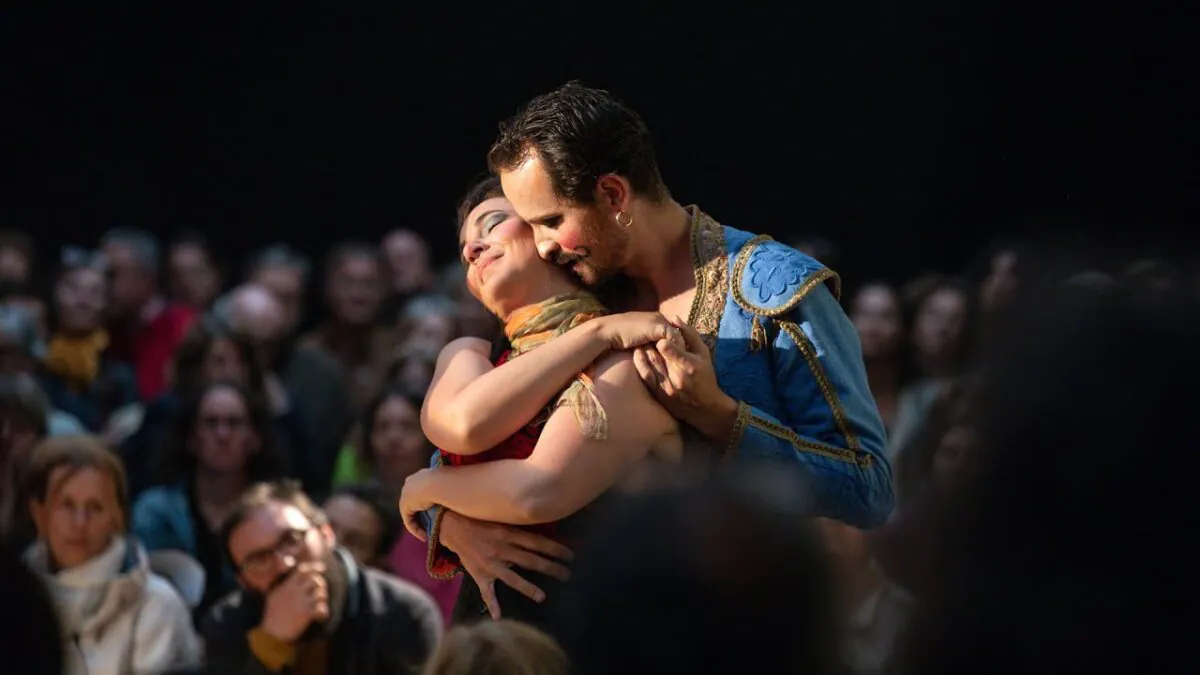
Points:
[(578, 255)]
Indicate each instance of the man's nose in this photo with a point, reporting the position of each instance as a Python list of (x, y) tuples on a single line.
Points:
[(548, 249)]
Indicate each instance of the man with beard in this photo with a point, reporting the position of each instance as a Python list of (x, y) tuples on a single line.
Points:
[(772, 371), (305, 605)]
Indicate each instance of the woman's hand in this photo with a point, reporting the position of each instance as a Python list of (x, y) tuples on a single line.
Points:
[(413, 503), (634, 329)]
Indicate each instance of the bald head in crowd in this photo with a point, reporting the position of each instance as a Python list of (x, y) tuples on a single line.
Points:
[(255, 311)]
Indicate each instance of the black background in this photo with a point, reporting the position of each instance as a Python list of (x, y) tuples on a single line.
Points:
[(910, 135)]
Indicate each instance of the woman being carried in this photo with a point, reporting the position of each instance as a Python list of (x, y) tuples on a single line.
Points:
[(532, 441)]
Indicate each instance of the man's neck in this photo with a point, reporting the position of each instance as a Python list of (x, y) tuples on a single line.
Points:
[(660, 250)]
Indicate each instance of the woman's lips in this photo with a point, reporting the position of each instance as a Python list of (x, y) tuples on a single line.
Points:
[(484, 263)]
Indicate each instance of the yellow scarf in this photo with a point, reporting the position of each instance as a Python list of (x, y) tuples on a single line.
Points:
[(76, 359), (531, 327)]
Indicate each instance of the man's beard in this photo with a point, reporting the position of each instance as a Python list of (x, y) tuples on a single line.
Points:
[(598, 262)]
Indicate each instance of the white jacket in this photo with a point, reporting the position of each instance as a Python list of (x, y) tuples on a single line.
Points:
[(116, 616)]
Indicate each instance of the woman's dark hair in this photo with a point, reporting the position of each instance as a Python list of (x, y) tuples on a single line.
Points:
[(177, 461), (385, 506), (367, 421), (194, 349), (479, 192), (580, 134)]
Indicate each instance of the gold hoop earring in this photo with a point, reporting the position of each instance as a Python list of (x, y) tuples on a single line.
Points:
[(628, 222)]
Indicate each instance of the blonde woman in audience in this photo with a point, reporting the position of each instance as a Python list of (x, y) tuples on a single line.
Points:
[(116, 616), (497, 648)]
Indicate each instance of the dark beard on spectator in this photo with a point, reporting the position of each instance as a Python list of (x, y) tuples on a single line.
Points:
[(337, 585)]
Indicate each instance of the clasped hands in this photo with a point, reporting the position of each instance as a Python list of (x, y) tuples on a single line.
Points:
[(676, 366)]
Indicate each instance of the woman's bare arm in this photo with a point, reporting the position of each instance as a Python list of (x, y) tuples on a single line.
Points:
[(472, 405), (566, 471)]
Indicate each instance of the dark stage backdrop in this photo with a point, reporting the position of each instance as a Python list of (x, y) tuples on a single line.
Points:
[(909, 134)]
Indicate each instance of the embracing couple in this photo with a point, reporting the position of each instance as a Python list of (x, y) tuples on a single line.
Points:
[(733, 336)]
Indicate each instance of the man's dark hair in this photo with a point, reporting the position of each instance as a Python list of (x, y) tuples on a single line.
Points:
[(259, 495), (580, 134), (384, 504)]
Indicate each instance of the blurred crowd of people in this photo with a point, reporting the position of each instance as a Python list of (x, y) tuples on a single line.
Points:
[(151, 395)]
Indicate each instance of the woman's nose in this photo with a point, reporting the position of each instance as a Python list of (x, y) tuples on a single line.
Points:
[(472, 250)]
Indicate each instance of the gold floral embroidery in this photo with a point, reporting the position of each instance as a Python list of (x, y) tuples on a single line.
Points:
[(711, 268)]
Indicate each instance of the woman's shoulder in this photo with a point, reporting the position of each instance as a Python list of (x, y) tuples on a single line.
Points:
[(471, 344)]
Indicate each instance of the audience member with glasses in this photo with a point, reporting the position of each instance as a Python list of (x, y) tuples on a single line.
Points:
[(305, 605)]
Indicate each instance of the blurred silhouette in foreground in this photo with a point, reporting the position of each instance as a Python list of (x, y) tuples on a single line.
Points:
[(704, 581), (1064, 552), (28, 625)]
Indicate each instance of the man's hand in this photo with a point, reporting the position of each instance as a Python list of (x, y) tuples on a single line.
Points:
[(303, 598), (413, 503), (489, 551), (682, 379)]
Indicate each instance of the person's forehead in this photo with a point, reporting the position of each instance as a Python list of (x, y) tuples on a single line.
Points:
[(529, 188), (262, 527), (70, 479)]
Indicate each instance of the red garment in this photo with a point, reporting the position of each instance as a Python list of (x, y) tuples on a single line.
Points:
[(151, 347), (518, 446)]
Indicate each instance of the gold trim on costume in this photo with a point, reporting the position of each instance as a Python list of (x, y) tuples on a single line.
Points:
[(710, 266), (739, 429), (783, 433), (739, 268), (827, 391)]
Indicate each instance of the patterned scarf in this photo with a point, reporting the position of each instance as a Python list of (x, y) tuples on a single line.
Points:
[(531, 327), (76, 359)]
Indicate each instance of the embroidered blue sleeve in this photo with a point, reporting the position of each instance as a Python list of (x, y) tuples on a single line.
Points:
[(829, 425)]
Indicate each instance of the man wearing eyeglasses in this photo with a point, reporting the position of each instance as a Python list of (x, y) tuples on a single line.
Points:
[(305, 607)]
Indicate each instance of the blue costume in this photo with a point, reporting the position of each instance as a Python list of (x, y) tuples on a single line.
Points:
[(785, 350)]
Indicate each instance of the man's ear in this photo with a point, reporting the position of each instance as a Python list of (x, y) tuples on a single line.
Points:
[(328, 535), (613, 192)]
